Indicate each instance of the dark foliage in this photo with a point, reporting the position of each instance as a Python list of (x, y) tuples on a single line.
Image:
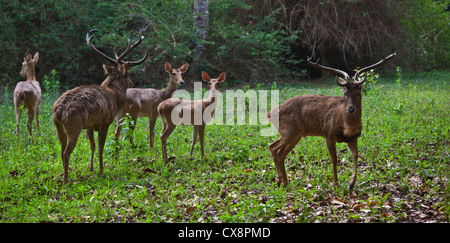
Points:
[(252, 40)]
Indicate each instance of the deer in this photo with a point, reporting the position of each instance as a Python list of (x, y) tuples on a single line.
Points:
[(28, 94), (144, 102), (335, 118), (93, 107), (176, 108)]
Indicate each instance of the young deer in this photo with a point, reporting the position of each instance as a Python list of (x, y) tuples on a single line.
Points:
[(93, 107), (337, 119), (144, 102), (177, 108), (28, 94)]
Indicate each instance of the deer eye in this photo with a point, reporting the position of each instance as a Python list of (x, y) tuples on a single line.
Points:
[(174, 74)]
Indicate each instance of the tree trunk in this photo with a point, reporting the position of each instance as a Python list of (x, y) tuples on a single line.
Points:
[(201, 27)]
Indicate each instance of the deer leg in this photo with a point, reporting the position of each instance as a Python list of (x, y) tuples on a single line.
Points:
[(118, 126), (202, 136), (353, 145), (62, 137), (274, 147), (18, 113), (132, 127), (279, 150), (168, 129), (102, 133), (331, 145), (71, 143), (31, 113), (282, 154), (151, 129), (90, 135), (194, 139), (164, 128)]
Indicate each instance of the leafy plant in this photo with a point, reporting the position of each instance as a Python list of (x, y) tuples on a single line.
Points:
[(398, 77), (51, 84), (370, 78)]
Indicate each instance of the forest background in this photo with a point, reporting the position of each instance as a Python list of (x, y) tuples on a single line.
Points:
[(252, 40)]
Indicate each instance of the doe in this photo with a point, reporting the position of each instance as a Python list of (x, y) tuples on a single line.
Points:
[(195, 109), (27, 94), (144, 102)]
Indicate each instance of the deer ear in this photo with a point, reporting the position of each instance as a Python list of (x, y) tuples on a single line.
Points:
[(341, 82), (36, 57), (168, 67), (28, 57), (184, 68), (108, 69), (222, 77), (206, 77)]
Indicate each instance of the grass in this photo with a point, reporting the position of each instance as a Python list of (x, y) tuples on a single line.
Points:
[(402, 170)]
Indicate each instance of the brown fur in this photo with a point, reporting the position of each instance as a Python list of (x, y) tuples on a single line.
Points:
[(166, 108), (91, 107), (144, 102), (28, 94), (337, 119), (316, 115)]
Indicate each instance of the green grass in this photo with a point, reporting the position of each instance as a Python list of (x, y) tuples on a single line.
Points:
[(402, 169)]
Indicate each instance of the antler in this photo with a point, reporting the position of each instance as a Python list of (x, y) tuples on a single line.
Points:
[(89, 37), (333, 70), (356, 77), (118, 59), (129, 48), (131, 64)]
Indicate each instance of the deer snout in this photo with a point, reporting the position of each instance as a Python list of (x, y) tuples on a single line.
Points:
[(181, 83), (350, 109)]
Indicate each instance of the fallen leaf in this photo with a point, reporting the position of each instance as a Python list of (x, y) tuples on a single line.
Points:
[(359, 205), (337, 201), (191, 209), (423, 189), (248, 170), (415, 180)]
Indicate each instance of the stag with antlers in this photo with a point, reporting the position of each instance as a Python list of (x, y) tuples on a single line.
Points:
[(93, 107), (337, 119)]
